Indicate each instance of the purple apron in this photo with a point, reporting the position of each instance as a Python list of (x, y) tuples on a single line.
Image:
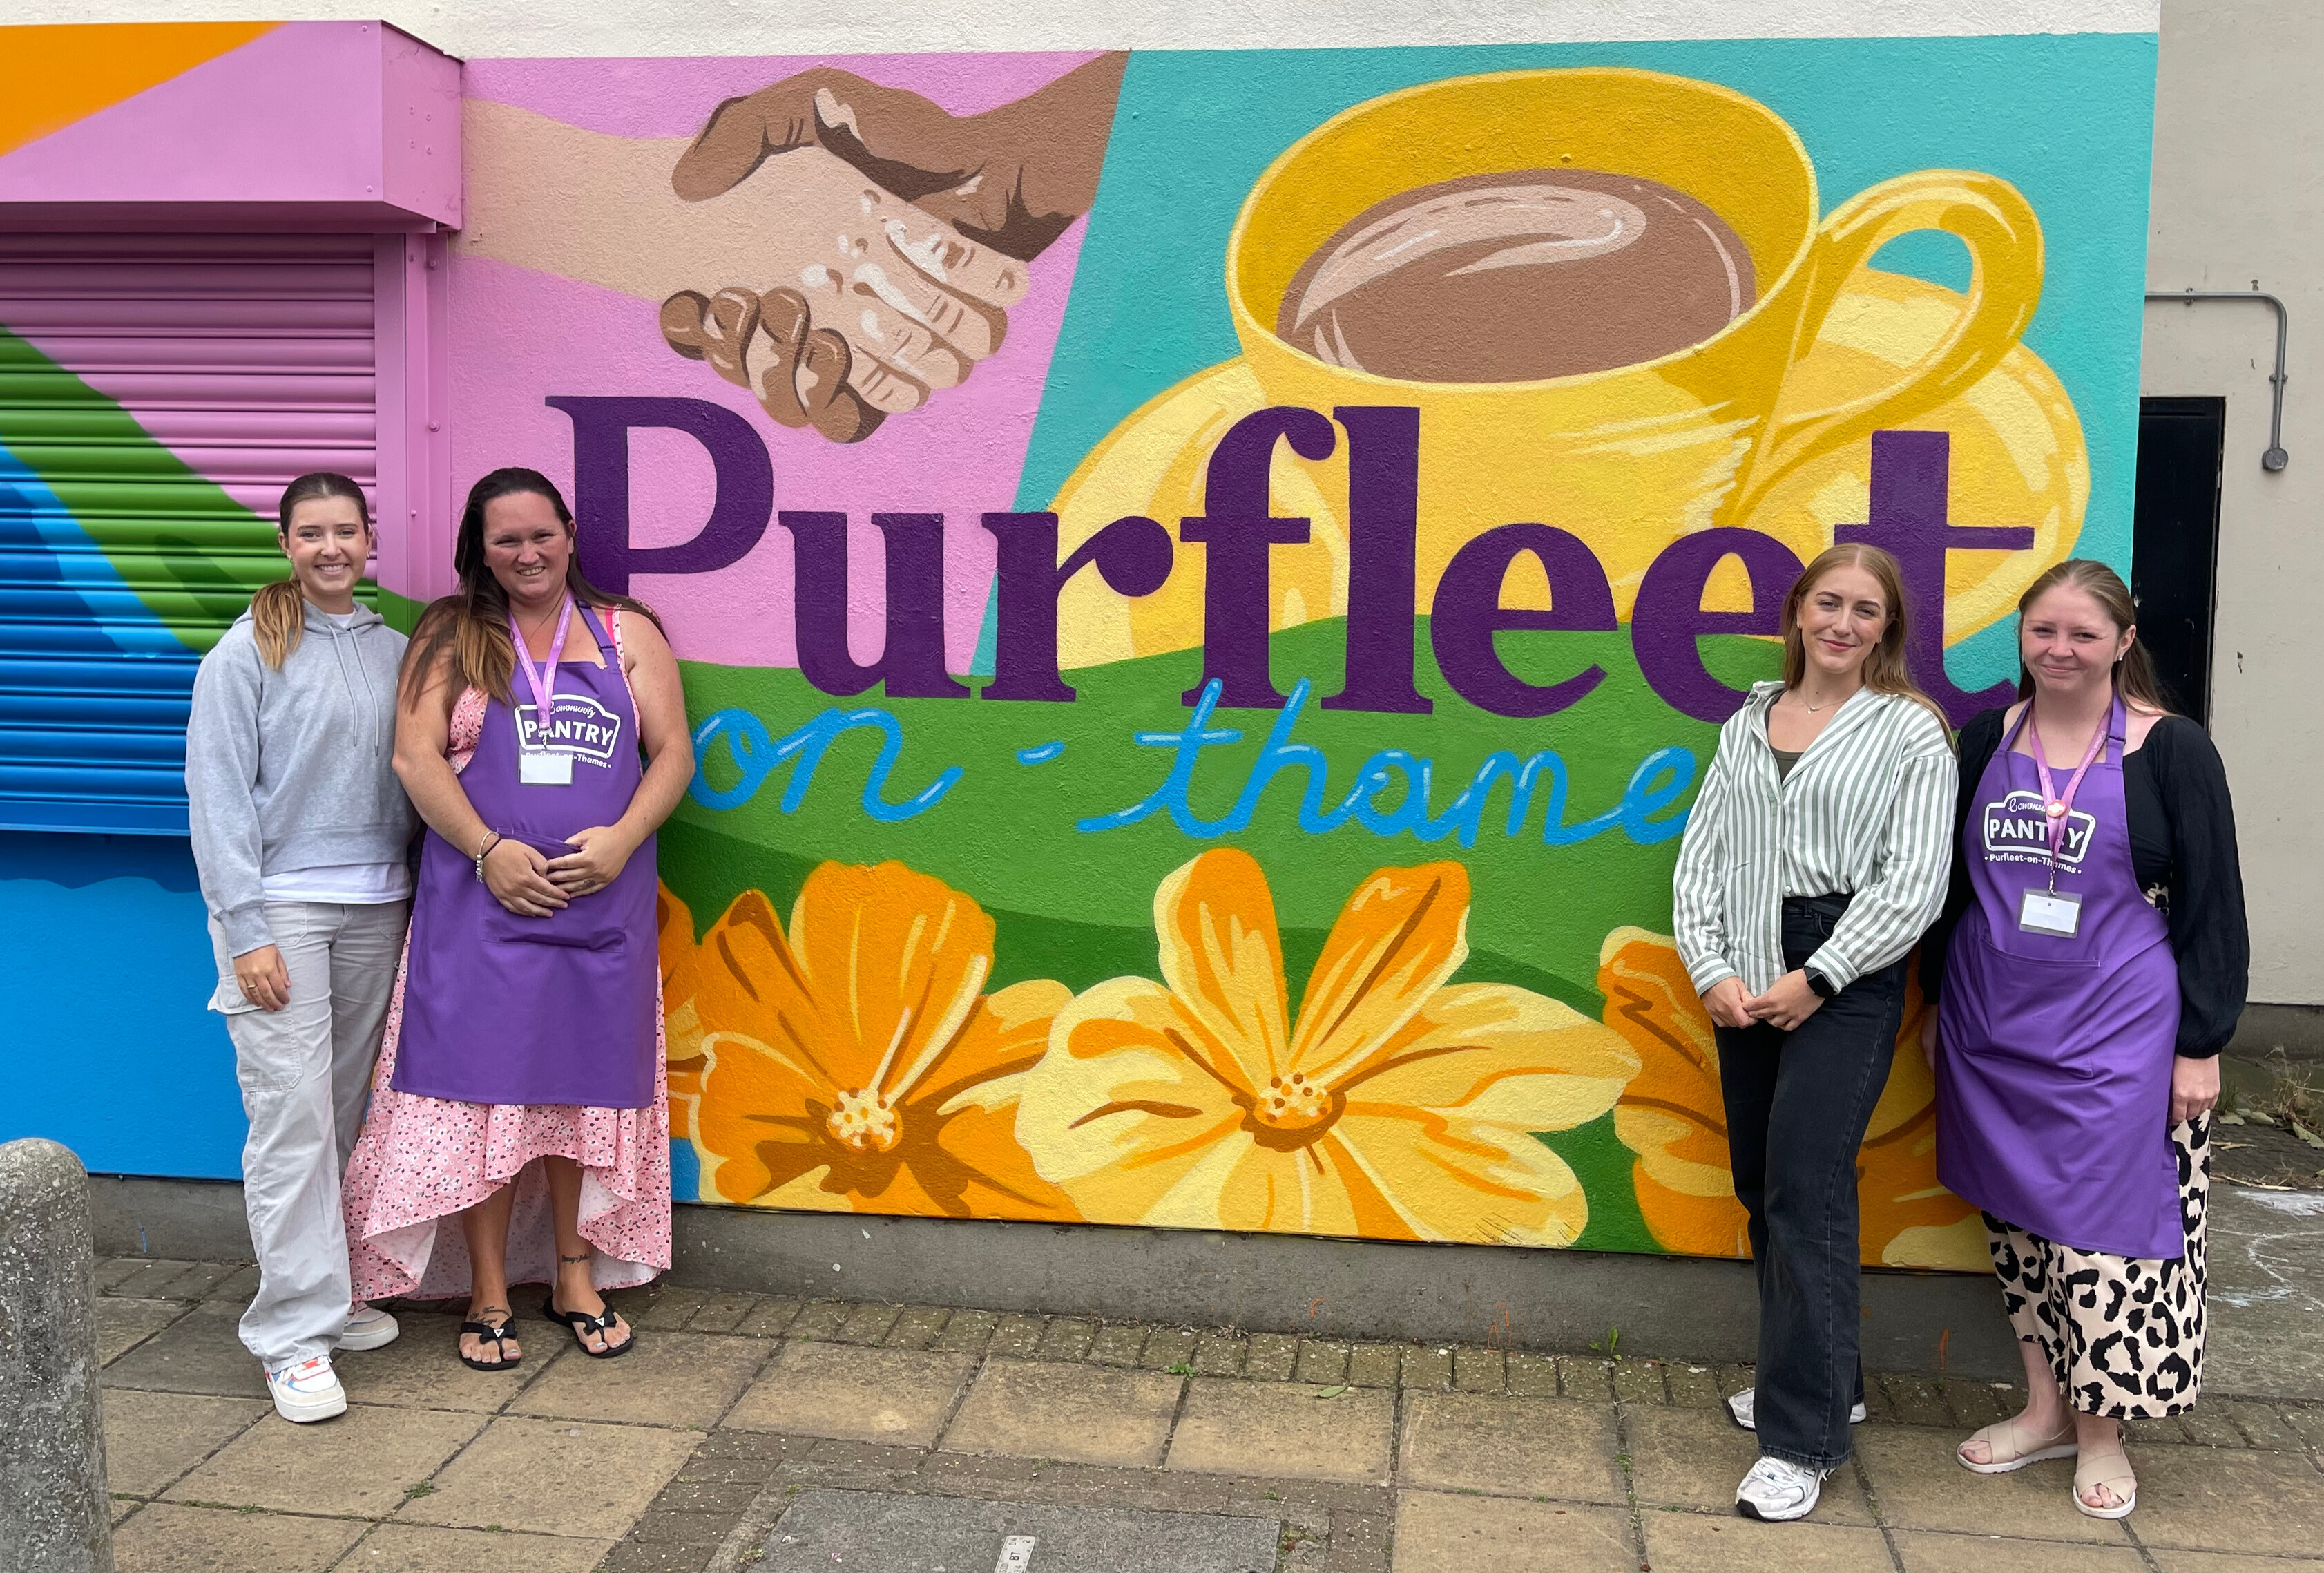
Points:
[(2053, 1087), (504, 1008)]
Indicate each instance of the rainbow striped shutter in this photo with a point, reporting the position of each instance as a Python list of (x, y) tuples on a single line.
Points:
[(156, 392)]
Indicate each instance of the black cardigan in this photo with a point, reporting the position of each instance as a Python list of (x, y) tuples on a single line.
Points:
[(2182, 841)]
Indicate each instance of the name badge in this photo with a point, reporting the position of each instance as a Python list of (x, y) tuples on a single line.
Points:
[(542, 767), (2058, 913)]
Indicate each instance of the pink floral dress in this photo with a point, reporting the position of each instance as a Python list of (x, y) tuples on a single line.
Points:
[(421, 1161)]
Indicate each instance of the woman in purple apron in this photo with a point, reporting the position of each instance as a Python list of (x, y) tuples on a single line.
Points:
[(2088, 969), (520, 1084)]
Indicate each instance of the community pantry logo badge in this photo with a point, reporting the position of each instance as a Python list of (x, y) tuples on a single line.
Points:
[(2016, 830), (577, 725)]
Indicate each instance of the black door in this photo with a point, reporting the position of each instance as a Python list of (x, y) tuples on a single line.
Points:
[(2176, 541)]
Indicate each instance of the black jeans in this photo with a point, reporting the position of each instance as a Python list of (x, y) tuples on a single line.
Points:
[(1797, 1105)]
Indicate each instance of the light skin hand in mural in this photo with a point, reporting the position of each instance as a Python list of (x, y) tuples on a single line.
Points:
[(1004, 184), (906, 304)]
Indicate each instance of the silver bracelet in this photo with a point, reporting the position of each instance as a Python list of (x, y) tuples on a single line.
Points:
[(492, 839)]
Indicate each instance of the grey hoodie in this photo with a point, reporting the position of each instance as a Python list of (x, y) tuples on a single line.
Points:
[(293, 769)]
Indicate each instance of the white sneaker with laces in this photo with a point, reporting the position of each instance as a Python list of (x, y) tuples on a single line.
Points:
[(307, 1391), (1739, 1409), (1776, 1491), (368, 1327)]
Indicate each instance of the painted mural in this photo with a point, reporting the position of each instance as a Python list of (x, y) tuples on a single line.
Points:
[(1207, 581)]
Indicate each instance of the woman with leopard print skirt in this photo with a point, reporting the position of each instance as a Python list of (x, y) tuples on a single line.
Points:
[(2089, 966)]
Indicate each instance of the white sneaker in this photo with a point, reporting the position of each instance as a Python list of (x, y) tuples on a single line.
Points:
[(1739, 1409), (368, 1327), (308, 1391), (1776, 1491)]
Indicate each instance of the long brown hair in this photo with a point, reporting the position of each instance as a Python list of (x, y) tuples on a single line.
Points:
[(470, 627), (1886, 670), (278, 612), (2134, 676)]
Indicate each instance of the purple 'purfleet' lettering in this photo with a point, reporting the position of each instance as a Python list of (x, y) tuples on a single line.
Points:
[(912, 653), (1237, 534), (1668, 616), (1383, 528), (1468, 612), (1132, 555), (739, 510), (1910, 484)]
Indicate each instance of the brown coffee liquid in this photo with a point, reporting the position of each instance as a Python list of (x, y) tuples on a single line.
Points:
[(1516, 277)]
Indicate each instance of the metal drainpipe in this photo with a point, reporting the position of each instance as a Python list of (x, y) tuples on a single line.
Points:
[(2274, 459)]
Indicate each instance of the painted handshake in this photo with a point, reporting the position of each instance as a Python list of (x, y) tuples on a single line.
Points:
[(894, 239)]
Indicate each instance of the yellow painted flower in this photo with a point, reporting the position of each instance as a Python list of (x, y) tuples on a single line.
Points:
[(1671, 1115), (1395, 1105), (854, 1062)]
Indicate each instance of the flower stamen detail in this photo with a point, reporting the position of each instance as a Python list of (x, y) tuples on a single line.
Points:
[(864, 1121), (1292, 1102)]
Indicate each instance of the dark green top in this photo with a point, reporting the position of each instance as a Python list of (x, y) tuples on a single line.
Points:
[(1785, 759)]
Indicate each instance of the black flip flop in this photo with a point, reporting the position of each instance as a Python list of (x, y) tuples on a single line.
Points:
[(582, 1324), (500, 1335)]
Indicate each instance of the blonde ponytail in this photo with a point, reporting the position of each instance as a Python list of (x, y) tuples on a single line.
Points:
[(278, 617)]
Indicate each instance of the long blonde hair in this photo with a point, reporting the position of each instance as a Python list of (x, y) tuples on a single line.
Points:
[(278, 612), (1886, 670)]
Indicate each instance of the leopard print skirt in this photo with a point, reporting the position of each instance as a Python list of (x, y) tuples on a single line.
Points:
[(2122, 1334)]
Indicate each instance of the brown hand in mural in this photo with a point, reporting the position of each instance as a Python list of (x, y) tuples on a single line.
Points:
[(1002, 185), (801, 372), (1013, 177)]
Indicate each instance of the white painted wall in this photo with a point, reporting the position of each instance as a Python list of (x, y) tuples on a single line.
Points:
[(2239, 197), (481, 29)]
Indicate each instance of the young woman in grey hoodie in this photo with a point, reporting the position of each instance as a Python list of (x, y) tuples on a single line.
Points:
[(301, 833)]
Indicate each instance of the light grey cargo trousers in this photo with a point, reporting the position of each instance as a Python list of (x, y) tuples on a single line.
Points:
[(304, 1072)]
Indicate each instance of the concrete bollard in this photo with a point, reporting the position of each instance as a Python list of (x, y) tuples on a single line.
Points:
[(55, 1516)]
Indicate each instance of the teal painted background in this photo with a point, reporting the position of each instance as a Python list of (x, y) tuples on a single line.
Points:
[(2069, 120)]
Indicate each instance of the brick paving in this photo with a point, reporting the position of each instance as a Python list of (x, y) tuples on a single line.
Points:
[(1371, 1457)]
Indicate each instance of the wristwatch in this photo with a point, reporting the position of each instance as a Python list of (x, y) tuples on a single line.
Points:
[(1824, 987)]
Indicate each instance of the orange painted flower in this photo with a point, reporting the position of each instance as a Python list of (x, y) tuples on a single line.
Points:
[(684, 1061), (1394, 1105), (1672, 1117), (854, 1062)]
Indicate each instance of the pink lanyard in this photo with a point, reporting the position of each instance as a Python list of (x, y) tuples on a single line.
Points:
[(2057, 805), (544, 688)]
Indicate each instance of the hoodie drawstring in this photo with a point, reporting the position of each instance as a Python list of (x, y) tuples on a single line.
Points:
[(370, 700)]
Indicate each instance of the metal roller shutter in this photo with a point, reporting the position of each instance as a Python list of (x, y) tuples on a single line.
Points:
[(156, 394)]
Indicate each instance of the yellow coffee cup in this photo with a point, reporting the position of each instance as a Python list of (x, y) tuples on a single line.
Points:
[(1631, 458)]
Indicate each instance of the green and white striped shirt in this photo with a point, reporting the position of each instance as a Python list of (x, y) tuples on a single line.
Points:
[(1869, 810)]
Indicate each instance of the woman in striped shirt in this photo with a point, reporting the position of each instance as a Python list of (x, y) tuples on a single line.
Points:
[(1815, 856)]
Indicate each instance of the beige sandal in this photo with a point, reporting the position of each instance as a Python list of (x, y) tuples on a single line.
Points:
[(2013, 1446), (2111, 1471)]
